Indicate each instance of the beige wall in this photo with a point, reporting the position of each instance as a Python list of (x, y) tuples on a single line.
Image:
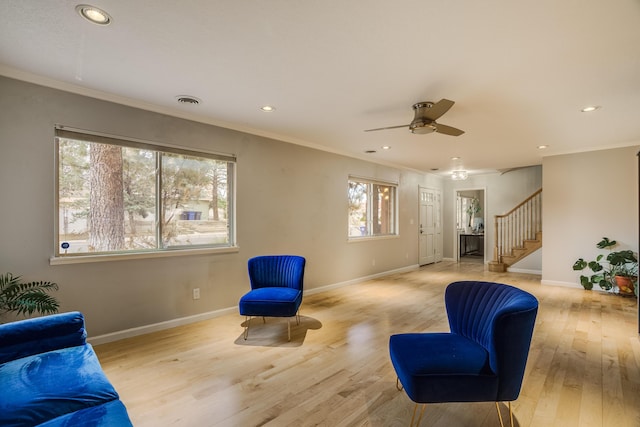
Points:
[(587, 196), (290, 199)]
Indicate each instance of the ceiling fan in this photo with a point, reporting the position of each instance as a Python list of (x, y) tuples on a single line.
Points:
[(424, 121)]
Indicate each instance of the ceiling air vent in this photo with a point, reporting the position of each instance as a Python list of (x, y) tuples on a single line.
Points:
[(187, 99)]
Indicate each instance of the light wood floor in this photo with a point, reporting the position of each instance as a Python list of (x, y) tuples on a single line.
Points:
[(583, 369)]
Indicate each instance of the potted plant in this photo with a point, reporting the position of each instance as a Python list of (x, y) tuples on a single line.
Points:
[(26, 298), (619, 269)]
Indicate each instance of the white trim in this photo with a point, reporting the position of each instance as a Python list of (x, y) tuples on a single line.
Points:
[(563, 284), (360, 279), (146, 329), (14, 73), (82, 259), (141, 330), (360, 239), (524, 270), (574, 286)]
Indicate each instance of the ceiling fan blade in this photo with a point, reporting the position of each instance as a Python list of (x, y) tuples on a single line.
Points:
[(438, 109), (448, 130), (388, 127)]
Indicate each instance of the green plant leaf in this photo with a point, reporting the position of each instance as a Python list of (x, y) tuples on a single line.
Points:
[(26, 298), (605, 243), (595, 266), (586, 283), (580, 264)]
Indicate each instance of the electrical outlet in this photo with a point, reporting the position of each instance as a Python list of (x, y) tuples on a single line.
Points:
[(373, 262), (196, 293)]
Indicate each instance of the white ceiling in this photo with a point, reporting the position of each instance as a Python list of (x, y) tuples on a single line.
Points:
[(519, 71)]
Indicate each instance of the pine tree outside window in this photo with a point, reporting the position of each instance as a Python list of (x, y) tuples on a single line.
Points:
[(121, 196)]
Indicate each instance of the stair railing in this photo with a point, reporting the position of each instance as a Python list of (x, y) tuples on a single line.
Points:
[(519, 224)]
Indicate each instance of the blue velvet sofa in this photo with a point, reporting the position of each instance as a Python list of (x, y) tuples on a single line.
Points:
[(50, 376)]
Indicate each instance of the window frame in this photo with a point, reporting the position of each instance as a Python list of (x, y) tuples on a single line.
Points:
[(393, 211), (66, 132)]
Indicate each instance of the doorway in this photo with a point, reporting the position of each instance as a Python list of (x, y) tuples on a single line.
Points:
[(469, 225)]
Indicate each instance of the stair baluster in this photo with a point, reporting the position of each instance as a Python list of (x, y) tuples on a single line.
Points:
[(517, 233)]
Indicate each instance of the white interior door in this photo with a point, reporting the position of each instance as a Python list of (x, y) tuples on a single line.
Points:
[(429, 218), (437, 213)]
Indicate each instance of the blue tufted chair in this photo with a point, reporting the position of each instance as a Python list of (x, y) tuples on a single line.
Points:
[(276, 289), (482, 359)]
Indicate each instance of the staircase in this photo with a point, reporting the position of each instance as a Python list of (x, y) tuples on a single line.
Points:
[(518, 233)]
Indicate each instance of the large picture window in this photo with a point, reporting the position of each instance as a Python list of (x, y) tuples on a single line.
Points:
[(119, 196), (372, 208)]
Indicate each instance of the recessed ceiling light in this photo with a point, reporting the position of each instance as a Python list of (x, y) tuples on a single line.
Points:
[(93, 14), (386, 147), (268, 108), (188, 99), (455, 158), (590, 108), (542, 147)]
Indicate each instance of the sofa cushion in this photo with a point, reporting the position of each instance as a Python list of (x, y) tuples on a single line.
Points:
[(40, 334), (110, 414), (44, 386)]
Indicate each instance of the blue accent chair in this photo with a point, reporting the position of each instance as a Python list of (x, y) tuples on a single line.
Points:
[(482, 359), (276, 289), (50, 376)]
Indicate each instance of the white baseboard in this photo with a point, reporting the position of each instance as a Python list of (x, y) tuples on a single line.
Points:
[(564, 284), (141, 330), (146, 329), (573, 285), (524, 270), (360, 279)]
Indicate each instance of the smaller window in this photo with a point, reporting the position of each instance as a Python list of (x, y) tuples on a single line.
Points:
[(372, 208)]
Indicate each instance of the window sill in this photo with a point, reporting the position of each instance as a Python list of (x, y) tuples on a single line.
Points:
[(82, 259), (370, 238)]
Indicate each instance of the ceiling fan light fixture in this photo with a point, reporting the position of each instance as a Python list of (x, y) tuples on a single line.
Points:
[(422, 128), (93, 14), (459, 175)]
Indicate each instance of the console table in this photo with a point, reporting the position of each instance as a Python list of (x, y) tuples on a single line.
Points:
[(471, 244)]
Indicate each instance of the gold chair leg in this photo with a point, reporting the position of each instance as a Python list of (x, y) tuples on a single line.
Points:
[(415, 409), (399, 385), (500, 414), (289, 324), (510, 414), (246, 327)]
